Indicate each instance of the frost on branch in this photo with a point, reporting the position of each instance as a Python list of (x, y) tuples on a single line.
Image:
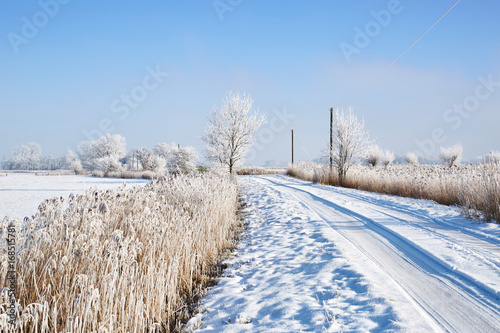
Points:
[(231, 130), (350, 141), (103, 154)]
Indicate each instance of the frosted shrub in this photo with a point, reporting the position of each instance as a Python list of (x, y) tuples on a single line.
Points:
[(76, 166), (451, 156), (388, 158), (493, 157), (120, 260), (183, 160), (107, 165), (98, 154), (157, 164), (374, 156), (411, 158)]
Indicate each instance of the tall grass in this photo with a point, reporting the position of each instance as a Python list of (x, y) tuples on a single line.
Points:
[(127, 260), (476, 188), (260, 171)]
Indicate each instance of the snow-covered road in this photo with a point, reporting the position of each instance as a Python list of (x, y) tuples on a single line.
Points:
[(319, 258)]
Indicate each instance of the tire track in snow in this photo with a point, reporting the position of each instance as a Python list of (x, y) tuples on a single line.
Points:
[(453, 300)]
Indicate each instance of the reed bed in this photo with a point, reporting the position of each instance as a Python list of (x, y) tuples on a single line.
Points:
[(474, 187), (127, 260), (260, 171)]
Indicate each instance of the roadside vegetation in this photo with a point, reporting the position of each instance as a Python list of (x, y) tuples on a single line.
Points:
[(121, 260), (256, 171), (474, 187)]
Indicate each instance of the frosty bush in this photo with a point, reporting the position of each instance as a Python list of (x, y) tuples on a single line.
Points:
[(170, 157), (76, 166), (107, 164), (183, 160), (452, 155), (104, 153), (388, 158), (150, 161), (374, 156), (411, 158)]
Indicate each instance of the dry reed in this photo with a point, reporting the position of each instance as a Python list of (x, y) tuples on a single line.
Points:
[(475, 188), (260, 171), (127, 260)]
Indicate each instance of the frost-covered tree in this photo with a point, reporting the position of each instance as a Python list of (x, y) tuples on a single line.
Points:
[(103, 153), (26, 157), (151, 161), (231, 130), (411, 158), (452, 155), (374, 156), (184, 160), (165, 150), (350, 141)]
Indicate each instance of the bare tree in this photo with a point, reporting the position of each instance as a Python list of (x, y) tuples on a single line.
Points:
[(231, 130), (350, 141)]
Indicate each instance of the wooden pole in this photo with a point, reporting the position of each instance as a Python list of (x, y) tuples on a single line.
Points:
[(331, 140), (292, 148)]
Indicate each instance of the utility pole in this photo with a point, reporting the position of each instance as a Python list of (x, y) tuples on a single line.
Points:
[(292, 148), (331, 140)]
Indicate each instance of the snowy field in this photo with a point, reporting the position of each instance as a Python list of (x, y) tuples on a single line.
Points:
[(21, 193), (319, 258)]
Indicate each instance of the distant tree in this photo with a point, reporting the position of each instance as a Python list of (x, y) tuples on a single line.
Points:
[(184, 160), (151, 161), (452, 155), (165, 150), (103, 154), (411, 158), (26, 157), (231, 130), (350, 141)]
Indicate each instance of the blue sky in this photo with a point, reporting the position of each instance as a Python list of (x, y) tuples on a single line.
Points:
[(70, 75)]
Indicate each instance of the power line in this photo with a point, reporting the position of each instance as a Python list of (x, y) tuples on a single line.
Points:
[(367, 83), (304, 148)]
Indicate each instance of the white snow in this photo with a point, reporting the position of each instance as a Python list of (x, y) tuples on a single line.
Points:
[(21, 193), (320, 258)]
